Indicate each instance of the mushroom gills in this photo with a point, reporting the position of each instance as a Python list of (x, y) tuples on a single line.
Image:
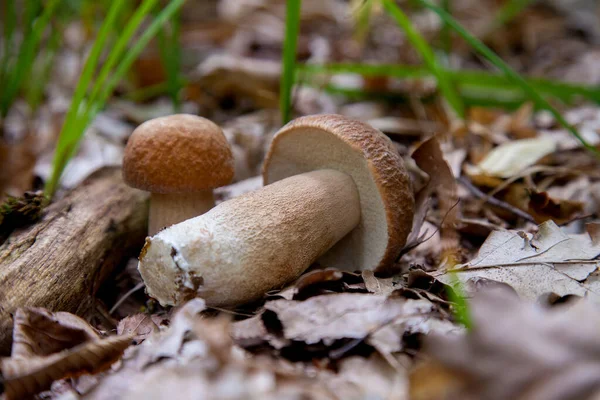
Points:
[(253, 243)]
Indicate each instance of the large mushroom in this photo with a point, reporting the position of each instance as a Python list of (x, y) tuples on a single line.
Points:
[(179, 159), (336, 191)]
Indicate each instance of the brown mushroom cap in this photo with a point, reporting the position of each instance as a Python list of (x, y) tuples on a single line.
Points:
[(178, 153), (369, 157)]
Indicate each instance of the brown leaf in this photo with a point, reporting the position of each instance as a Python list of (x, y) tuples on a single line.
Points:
[(521, 350), (593, 229), (542, 207), (26, 377), (337, 323), (38, 332), (138, 326), (430, 159), (379, 286), (195, 358)]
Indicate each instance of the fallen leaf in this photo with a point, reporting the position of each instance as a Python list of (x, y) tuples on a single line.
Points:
[(51, 346), (196, 358), (368, 378), (549, 262), (430, 159), (138, 326), (519, 350), (378, 286), (510, 158), (331, 320), (542, 207), (25, 377), (39, 332), (593, 229)]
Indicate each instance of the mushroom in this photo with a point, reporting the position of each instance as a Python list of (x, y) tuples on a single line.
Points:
[(336, 192), (179, 159)]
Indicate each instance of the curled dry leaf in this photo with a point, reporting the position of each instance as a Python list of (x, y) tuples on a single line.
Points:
[(26, 377), (50, 346), (542, 207), (518, 350), (429, 158), (549, 262), (39, 332)]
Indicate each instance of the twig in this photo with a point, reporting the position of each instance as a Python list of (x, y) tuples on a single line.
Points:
[(494, 201), (125, 297)]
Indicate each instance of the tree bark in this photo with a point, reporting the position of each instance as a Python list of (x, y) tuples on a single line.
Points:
[(60, 262)]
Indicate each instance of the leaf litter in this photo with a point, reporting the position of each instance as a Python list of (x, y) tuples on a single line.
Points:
[(509, 191)]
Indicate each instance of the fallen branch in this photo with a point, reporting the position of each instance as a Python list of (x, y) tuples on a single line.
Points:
[(60, 262)]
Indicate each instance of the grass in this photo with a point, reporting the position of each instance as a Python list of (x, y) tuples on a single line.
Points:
[(170, 54), (466, 80), (458, 87), (18, 56), (42, 68), (513, 76), (426, 52), (288, 74), (90, 98), (456, 295), (509, 11)]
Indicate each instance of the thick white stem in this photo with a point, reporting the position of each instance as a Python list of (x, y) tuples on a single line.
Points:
[(253, 243), (172, 208)]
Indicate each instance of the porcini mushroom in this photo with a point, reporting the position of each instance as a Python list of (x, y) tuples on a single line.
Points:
[(179, 159), (336, 191)]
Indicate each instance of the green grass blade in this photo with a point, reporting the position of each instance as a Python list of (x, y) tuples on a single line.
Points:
[(118, 49), (485, 51), (69, 137), (428, 56), (362, 18), (507, 100), (151, 31), (292, 26), (27, 53), (456, 294), (170, 54), (510, 10), (446, 33), (9, 21), (565, 92), (35, 86), (69, 142)]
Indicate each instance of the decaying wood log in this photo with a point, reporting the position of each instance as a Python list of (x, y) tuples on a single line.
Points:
[(60, 262)]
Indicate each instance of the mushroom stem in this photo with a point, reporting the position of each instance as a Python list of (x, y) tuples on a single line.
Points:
[(167, 209), (253, 243)]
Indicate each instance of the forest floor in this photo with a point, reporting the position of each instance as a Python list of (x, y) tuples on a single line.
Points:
[(496, 294)]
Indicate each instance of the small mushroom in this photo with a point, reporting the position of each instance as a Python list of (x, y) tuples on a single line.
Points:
[(180, 159), (336, 191)]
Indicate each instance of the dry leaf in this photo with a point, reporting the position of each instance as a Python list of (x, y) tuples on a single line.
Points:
[(379, 321), (25, 377), (542, 207), (39, 332), (430, 159), (138, 326), (378, 286), (510, 158), (195, 358), (51, 346), (520, 350), (549, 262)]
